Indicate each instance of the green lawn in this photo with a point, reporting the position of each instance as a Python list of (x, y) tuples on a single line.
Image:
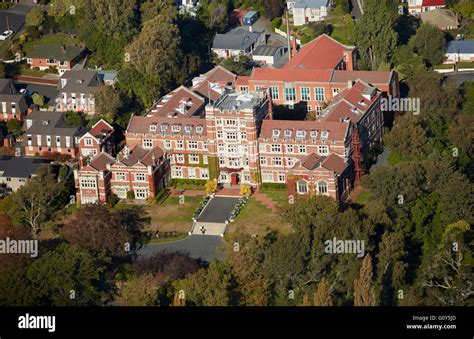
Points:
[(280, 197), (25, 70), (443, 66), (58, 38)]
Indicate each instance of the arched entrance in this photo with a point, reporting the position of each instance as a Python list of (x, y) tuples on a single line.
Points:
[(235, 179)]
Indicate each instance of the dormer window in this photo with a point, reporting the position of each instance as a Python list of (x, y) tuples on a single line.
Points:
[(152, 128), (314, 134), (187, 129), (324, 135), (164, 127), (175, 128), (300, 134), (276, 133), (287, 133), (199, 129)]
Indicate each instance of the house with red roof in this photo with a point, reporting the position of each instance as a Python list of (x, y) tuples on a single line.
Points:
[(416, 7), (100, 138)]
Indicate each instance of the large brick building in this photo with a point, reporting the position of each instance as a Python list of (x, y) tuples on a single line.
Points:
[(223, 129)]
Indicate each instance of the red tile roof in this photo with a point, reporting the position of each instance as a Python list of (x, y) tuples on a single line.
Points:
[(370, 77), (434, 3), (322, 53), (335, 163), (216, 75), (140, 155), (180, 102), (99, 163), (313, 161), (336, 130), (141, 124), (291, 75), (101, 127)]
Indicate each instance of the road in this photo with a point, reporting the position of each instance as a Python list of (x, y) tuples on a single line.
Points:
[(462, 76), (16, 17), (357, 6), (205, 247)]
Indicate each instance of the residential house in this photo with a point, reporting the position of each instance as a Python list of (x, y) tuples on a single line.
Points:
[(47, 134), (13, 105), (99, 138), (236, 42), (442, 18), (459, 51), (76, 91), (63, 58), (16, 171), (305, 11), (416, 7)]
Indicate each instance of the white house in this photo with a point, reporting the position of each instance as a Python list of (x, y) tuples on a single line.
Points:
[(416, 7), (305, 11), (237, 41), (268, 54), (459, 51)]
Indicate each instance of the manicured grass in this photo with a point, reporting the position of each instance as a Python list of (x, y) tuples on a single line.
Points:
[(171, 216), (25, 70), (444, 66), (464, 65), (280, 197), (58, 38), (256, 218)]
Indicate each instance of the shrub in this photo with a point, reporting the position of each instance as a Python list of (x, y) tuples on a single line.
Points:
[(211, 186), (245, 190), (274, 186), (113, 200), (276, 23), (131, 195)]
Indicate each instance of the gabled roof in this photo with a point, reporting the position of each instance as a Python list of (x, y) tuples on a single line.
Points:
[(100, 162), (267, 50), (313, 4), (100, 130), (140, 155), (181, 102), (323, 52), (56, 52), (187, 126), (314, 161), (20, 167), (50, 123), (236, 39), (83, 81), (206, 84), (440, 17)]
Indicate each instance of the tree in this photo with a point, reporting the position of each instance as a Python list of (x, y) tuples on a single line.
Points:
[(14, 127), (322, 297), (68, 276), (96, 228), (10, 262), (75, 119), (374, 33), (151, 8), (407, 63), (364, 294), (245, 191), (407, 137), (35, 17), (211, 186), (139, 290), (38, 99), (107, 102), (429, 43), (207, 287), (154, 60), (34, 204), (273, 8)]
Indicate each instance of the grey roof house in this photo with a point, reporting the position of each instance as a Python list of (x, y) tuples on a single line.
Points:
[(237, 41), (459, 51), (76, 91), (13, 105), (47, 133), (15, 171)]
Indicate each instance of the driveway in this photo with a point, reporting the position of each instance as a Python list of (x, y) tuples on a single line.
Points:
[(49, 92), (218, 210), (462, 76), (198, 246), (357, 6), (14, 18)]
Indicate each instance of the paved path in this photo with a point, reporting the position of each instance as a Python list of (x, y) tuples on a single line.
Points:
[(198, 246), (187, 193), (461, 76), (382, 159), (266, 201), (357, 8)]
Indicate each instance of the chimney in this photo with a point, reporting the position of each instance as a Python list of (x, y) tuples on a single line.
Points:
[(63, 49), (349, 60), (270, 108), (288, 33), (349, 84), (250, 28), (293, 45)]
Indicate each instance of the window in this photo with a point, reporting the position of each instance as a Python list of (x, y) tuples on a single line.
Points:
[(152, 128), (164, 128), (199, 129), (87, 142), (300, 134), (319, 93), (204, 160), (276, 133), (302, 148), (244, 89), (221, 161), (322, 187), (289, 148), (243, 135), (191, 172), (290, 162), (147, 143), (88, 183), (305, 96), (231, 122), (58, 141), (274, 92), (140, 177), (287, 133), (175, 128), (276, 162), (276, 148), (335, 91), (290, 94), (180, 158), (302, 187), (221, 148), (323, 150), (220, 134), (193, 144), (263, 161), (232, 136), (204, 173), (180, 144), (267, 176), (178, 172), (194, 159), (204, 145), (120, 176), (319, 110), (141, 193), (281, 177), (167, 144)]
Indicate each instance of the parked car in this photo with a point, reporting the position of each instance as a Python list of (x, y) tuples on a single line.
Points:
[(5, 35), (26, 92)]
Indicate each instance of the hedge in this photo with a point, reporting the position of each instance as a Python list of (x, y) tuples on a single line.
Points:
[(273, 186)]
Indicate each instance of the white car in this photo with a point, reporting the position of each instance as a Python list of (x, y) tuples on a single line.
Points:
[(5, 35)]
